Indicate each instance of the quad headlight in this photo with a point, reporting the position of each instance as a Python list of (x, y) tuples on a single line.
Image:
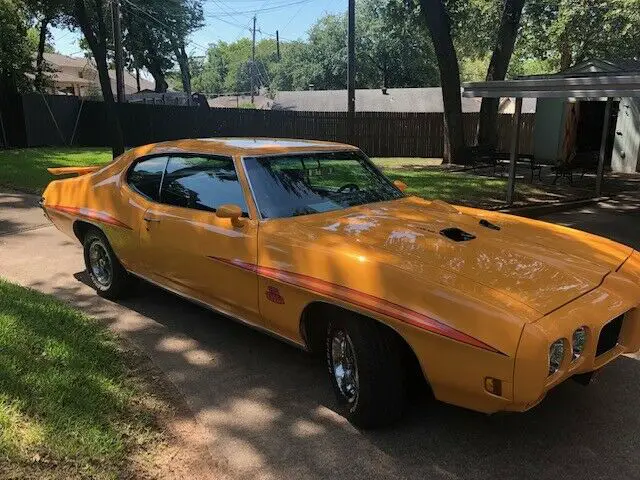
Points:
[(578, 342), (556, 355)]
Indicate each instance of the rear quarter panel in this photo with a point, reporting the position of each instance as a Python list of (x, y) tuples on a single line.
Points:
[(100, 199)]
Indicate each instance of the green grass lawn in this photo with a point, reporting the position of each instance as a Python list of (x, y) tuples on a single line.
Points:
[(26, 169), (69, 407), (425, 180)]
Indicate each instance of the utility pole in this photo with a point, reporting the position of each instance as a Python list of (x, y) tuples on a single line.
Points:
[(278, 45), (351, 62), (117, 33), (253, 59)]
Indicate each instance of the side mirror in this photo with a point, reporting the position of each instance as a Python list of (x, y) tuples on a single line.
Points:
[(400, 185), (232, 212)]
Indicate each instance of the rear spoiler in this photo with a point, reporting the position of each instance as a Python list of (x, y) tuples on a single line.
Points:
[(73, 170)]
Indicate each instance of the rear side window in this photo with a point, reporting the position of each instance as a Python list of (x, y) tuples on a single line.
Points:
[(202, 183), (145, 177)]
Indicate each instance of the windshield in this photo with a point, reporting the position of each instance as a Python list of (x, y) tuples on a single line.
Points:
[(300, 184)]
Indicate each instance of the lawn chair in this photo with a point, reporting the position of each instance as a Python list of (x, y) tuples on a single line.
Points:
[(583, 162)]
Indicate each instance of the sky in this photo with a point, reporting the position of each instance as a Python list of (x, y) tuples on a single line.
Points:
[(230, 20)]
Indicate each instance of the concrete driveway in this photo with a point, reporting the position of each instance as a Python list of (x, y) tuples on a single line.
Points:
[(267, 408)]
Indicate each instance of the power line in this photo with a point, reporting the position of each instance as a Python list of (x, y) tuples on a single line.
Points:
[(159, 22), (293, 16), (266, 9)]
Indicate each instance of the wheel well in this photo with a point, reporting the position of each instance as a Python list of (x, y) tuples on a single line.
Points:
[(315, 321), (80, 229)]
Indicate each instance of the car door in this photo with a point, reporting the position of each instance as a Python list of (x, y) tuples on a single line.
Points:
[(139, 190), (187, 247)]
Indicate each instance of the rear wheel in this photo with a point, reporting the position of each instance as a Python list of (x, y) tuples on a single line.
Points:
[(108, 276), (367, 371)]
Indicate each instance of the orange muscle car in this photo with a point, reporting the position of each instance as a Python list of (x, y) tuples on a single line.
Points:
[(310, 242)]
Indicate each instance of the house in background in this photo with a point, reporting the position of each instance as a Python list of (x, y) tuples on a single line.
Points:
[(241, 100), (78, 76), (564, 128), (424, 100), (383, 100)]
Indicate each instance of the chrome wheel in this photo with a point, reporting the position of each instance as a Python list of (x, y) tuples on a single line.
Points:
[(345, 367), (100, 264)]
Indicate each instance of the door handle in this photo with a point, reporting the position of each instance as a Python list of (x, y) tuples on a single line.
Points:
[(151, 219)]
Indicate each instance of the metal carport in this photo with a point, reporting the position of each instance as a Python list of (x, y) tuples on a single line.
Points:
[(578, 86)]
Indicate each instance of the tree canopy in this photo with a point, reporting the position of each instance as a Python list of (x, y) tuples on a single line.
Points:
[(16, 50), (392, 49)]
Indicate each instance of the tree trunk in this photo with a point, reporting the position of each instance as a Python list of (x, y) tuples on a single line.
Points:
[(183, 62), (99, 51), (42, 41), (138, 78), (438, 22), (154, 65), (566, 56), (158, 78), (503, 50)]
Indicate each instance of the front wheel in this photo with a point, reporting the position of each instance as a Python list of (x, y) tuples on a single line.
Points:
[(108, 276), (367, 371)]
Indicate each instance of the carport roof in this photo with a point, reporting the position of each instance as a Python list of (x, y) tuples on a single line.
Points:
[(578, 86)]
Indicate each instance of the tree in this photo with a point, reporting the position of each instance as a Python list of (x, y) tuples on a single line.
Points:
[(438, 22), (393, 47), (147, 41), (563, 33), (184, 17), (47, 13), (295, 71), (505, 43), (90, 16), (15, 48), (155, 36), (226, 68)]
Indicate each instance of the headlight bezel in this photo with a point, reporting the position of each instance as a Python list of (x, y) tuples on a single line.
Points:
[(577, 354), (554, 364)]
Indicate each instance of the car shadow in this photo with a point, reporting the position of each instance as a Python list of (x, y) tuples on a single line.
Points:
[(271, 413)]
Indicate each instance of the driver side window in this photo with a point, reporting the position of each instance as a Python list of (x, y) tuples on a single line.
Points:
[(202, 183)]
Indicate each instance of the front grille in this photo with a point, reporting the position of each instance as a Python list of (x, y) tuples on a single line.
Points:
[(609, 335)]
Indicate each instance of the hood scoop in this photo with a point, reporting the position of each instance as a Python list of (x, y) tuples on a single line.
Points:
[(457, 235), (486, 223)]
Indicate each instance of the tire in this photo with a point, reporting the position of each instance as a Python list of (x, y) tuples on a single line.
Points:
[(107, 274), (377, 364)]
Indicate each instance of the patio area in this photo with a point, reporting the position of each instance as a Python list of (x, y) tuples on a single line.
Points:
[(425, 177)]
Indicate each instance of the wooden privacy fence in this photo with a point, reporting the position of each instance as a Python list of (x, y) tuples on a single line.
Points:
[(66, 121)]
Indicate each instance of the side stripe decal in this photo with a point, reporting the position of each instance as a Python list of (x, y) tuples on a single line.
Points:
[(363, 300), (90, 215)]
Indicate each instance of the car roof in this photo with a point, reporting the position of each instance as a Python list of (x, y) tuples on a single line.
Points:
[(241, 146)]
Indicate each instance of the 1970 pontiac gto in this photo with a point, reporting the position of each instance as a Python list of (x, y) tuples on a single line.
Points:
[(310, 242)]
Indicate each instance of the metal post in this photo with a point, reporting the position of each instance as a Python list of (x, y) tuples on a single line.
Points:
[(603, 146), (278, 45), (515, 150), (351, 63), (117, 33), (253, 59)]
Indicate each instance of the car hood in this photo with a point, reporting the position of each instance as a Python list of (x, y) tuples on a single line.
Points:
[(540, 265)]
